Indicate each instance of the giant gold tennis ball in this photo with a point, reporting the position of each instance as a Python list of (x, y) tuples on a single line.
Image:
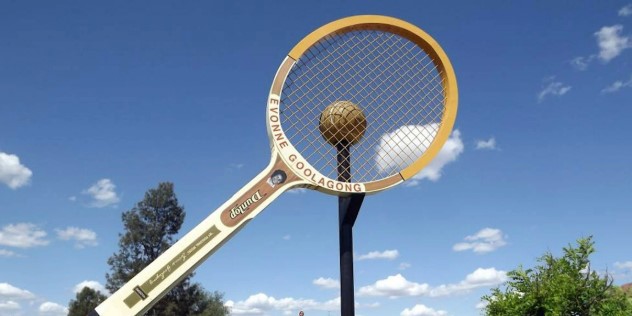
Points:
[(342, 122)]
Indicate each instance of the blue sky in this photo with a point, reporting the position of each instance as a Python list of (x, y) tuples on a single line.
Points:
[(101, 102)]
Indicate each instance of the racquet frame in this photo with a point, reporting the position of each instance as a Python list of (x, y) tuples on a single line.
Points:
[(148, 286)]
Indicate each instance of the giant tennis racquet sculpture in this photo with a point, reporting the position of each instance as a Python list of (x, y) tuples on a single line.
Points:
[(370, 92)]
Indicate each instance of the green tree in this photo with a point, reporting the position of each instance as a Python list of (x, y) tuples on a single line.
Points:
[(85, 301), (149, 230), (559, 286)]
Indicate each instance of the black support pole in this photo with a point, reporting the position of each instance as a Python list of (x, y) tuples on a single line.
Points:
[(348, 209)]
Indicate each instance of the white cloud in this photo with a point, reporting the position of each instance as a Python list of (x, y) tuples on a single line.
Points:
[(12, 172), (287, 237), (394, 286), (22, 235), (481, 304), (422, 310), (489, 144), (262, 304), (617, 85), (555, 88), (623, 265), (83, 237), (485, 240), (404, 266), (90, 284), (397, 286), (102, 193), (450, 151), (241, 309), (386, 254), (585, 269), (50, 308), (479, 278), (327, 283), (581, 63), (9, 292), (610, 42), (626, 10), (399, 149), (7, 253), (9, 307)]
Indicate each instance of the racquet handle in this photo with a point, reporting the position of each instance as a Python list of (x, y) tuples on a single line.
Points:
[(148, 286)]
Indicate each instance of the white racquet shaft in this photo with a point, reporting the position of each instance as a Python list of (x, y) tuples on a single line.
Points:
[(152, 283)]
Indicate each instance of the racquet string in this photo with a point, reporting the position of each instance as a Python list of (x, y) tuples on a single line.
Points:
[(394, 81)]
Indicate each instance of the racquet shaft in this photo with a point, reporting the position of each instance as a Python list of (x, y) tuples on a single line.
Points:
[(153, 282)]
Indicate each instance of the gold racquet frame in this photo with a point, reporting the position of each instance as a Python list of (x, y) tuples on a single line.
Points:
[(401, 28)]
